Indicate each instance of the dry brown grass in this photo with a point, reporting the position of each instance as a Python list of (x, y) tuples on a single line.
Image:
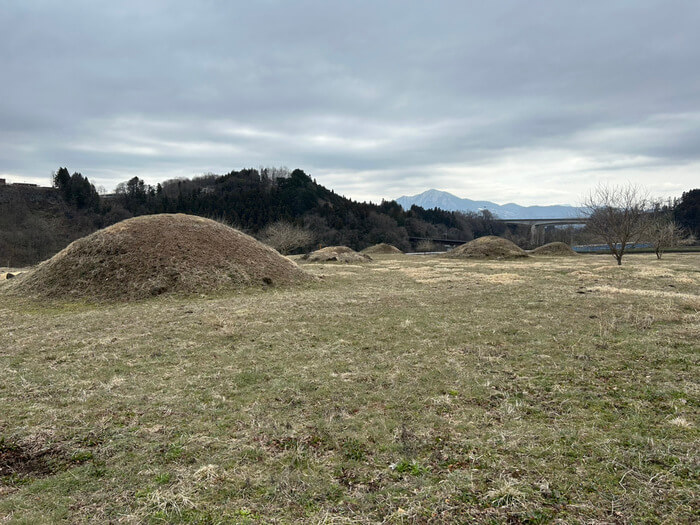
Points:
[(338, 254), (413, 390), (157, 254), (382, 248), (613, 290), (489, 247), (556, 249)]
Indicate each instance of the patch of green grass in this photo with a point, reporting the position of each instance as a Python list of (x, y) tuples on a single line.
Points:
[(409, 467)]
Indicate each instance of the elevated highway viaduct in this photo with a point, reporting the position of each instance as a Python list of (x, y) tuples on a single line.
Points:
[(537, 226)]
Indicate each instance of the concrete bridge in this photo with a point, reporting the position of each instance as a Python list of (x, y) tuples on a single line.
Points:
[(537, 226)]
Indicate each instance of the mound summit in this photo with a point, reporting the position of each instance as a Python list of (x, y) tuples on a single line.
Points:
[(554, 248), (156, 254), (339, 254), (382, 248), (488, 247)]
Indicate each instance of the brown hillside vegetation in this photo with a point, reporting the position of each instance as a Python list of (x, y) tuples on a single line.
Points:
[(36, 223), (156, 254), (554, 248), (382, 248), (339, 254), (489, 247)]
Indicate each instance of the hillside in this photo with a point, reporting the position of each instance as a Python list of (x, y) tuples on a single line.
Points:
[(35, 223), (446, 201)]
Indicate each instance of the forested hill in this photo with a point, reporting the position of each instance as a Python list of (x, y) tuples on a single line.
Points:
[(248, 199), (252, 199)]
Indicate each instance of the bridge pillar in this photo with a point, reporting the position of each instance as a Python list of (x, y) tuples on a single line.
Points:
[(537, 234)]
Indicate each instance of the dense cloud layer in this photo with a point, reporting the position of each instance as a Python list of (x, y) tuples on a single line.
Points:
[(531, 102)]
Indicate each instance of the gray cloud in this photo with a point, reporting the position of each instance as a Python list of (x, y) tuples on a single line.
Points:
[(513, 100)]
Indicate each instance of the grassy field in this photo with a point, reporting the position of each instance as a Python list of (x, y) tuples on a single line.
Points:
[(408, 390)]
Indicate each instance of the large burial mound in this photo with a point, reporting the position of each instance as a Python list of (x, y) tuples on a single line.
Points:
[(489, 247), (382, 248), (339, 254), (555, 249), (156, 254)]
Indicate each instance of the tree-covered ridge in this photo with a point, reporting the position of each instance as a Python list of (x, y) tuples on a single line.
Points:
[(251, 199)]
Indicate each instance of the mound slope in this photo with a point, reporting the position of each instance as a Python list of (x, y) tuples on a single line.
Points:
[(554, 248), (489, 247), (339, 254), (156, 254), (382, 248)]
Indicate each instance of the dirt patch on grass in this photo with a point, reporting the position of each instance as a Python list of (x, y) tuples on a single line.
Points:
[(338, 254), (555, 249), (489, 247), (382, 248), (157, 254), (19, 461)]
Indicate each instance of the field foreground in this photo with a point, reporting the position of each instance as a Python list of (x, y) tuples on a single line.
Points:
[(407, 390)]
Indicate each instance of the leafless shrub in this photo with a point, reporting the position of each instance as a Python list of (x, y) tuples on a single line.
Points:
[(427, 246), (286, 237)]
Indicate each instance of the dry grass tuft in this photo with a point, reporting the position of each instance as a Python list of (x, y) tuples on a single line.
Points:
[(555, 248), (154, 255), (682, 422), (339, 254), (612, 291), (382, 248), (489, 247)]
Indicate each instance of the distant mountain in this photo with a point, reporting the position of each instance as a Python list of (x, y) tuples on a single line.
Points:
[(446, 201)]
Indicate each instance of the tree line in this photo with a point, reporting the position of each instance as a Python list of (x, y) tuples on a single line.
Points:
[(291, 211), (255, 200)]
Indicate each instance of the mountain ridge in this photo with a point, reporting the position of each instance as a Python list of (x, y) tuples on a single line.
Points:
[(444, 200)]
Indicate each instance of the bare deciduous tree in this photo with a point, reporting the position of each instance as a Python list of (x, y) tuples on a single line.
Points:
[(286, 237), (617, 215), (663, 234)]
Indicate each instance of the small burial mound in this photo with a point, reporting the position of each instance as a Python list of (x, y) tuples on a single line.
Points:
[(489, 247), (382, 248), (339, 254), (156, 254), (554, 249)]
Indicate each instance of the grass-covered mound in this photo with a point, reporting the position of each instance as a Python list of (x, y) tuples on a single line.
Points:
[(339, 254), (489, 247), (554, 249), (156, 254), (382, 249)]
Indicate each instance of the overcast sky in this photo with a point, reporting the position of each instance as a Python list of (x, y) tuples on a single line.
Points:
[(526, 101)]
